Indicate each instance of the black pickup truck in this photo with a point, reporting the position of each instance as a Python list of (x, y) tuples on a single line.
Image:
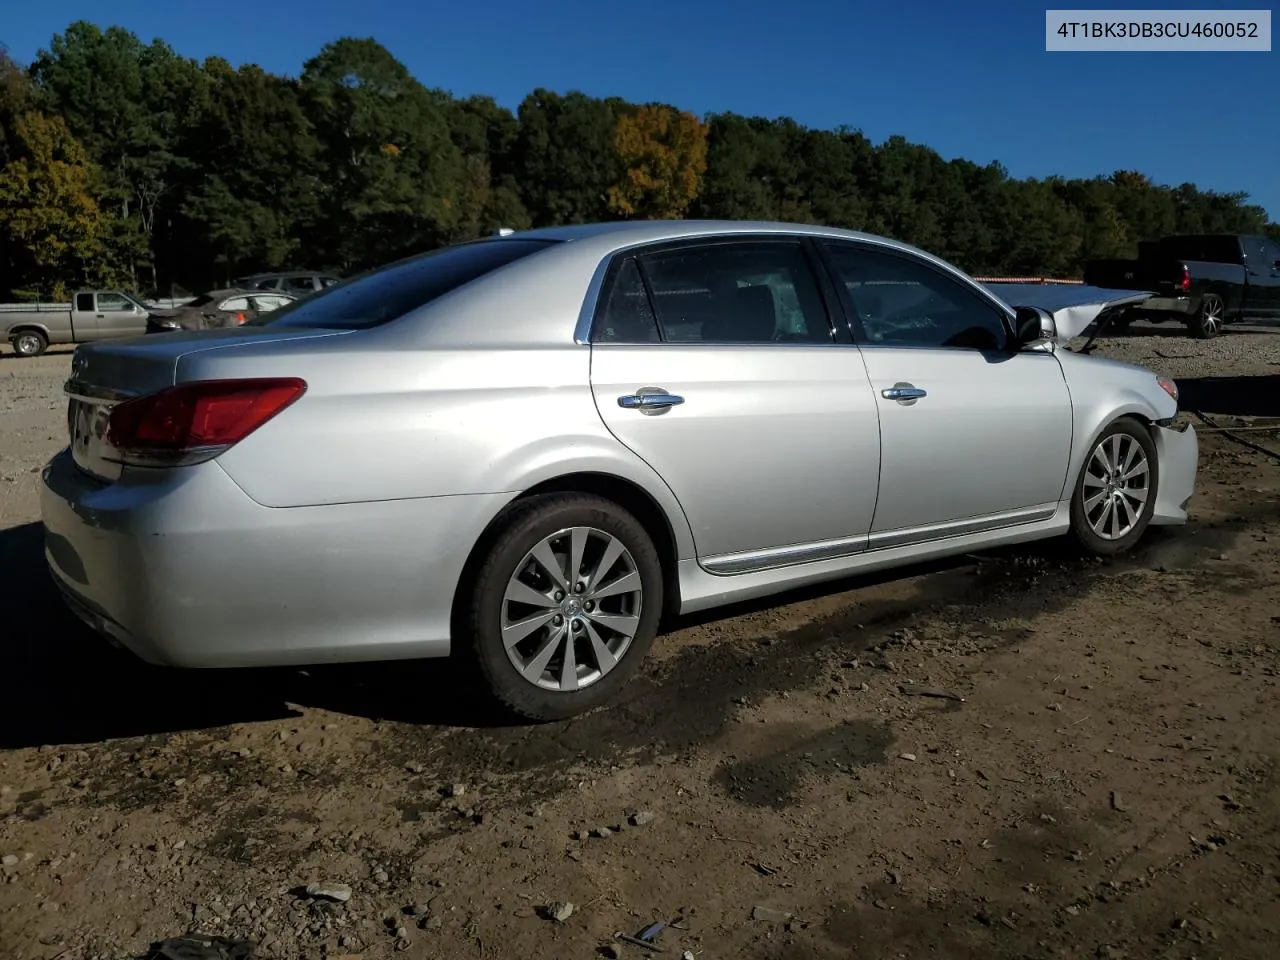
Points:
[(1204, 281)]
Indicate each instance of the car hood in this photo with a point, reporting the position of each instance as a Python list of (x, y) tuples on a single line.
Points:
[(1074, 307)]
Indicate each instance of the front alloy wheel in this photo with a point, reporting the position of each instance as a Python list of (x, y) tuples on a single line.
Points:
[(1115, 493)]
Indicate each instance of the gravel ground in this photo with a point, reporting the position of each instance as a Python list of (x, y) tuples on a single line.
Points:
[(770, 786)]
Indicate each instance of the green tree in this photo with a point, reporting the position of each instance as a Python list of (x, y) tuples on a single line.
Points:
[(48, 205), (489, 197), (129, 104), (564, 156), (256, 189), (390, 173)]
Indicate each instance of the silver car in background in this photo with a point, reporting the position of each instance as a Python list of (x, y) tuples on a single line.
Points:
[(524, 450)]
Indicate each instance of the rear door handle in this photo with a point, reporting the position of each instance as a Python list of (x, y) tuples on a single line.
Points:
[(649, 400), (903, 392)]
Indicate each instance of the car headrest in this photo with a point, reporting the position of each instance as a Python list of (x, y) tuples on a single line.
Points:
[(750, 316)]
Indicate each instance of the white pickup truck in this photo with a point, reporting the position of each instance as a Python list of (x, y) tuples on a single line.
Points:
[(92, 315)]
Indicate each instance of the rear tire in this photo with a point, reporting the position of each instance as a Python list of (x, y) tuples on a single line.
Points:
[(1115, 493), (1210, 318), (28, 343), (551, 644)]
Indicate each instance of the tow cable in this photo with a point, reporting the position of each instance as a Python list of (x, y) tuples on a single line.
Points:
[(1230, 433)]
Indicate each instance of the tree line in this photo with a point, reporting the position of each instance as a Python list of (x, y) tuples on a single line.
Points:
[(123, 163)]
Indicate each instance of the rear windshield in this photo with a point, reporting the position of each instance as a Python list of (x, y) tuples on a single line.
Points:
[(391, 292)]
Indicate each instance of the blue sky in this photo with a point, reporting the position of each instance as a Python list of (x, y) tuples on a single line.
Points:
[(969, 80)]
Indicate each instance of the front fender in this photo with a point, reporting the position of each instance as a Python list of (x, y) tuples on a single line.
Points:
[(1091, 418)]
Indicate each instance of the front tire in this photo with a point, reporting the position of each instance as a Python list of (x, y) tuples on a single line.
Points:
[(1209, 320), (1115, 494), (29, 343), (565, 605)]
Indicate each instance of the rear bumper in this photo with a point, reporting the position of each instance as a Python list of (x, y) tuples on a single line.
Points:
[(1185, 305), (184, 569), (1178, 454)]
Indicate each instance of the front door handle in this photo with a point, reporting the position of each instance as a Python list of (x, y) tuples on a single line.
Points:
[(903, 392), (649, 400)]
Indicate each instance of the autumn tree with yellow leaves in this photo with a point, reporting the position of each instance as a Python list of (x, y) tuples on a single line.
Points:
[(663, 154), (49, 211)]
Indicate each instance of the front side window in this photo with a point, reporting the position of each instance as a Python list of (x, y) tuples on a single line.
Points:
[(901, 301), (1261, 253), (114, 303), (737, 293), (234, 304)]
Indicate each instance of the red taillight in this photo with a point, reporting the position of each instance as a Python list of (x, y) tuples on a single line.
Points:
[(198, 420), (1185, 283)]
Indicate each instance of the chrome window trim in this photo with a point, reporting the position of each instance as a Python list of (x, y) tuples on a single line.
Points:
[(590, 302)]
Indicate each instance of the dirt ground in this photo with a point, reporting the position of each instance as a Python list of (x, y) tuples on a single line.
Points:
[(1108, 787)]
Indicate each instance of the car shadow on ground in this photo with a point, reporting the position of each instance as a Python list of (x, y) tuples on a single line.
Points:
[(62, 684), (1232, 396)]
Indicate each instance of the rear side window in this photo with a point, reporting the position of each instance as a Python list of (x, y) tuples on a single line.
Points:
[(627, 317), (392, 291), (1206, 249), (739, 292)]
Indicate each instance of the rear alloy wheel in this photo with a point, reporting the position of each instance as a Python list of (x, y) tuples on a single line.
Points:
[(29, 343), (1115, 493), (565, 606), (1209, 321)]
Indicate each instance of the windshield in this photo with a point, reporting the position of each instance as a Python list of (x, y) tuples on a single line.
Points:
[(391, 292), (199, 301)]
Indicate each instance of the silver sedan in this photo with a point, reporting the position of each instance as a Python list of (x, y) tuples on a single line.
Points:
[(526, 449)]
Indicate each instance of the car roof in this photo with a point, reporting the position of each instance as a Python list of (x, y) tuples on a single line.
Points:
[(286, 274), (629, 232), (528, 300)]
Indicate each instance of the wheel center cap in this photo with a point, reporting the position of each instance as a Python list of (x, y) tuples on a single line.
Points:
[(571, 606)]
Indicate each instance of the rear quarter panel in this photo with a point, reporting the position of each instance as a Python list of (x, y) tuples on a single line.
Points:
[(54, 325), (386, 421)]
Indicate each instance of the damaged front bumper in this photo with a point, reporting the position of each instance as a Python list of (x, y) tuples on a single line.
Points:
[(1178, 459)]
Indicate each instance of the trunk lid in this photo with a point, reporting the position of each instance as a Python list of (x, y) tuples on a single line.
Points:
[(108, 372)]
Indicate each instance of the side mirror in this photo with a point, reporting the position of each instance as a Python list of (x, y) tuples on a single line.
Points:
[(1032, 325)]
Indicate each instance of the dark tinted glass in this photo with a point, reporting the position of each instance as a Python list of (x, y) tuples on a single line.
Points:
[(900, 301), (1207, 249), (737, 293), (391, 292), (627, 317)]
